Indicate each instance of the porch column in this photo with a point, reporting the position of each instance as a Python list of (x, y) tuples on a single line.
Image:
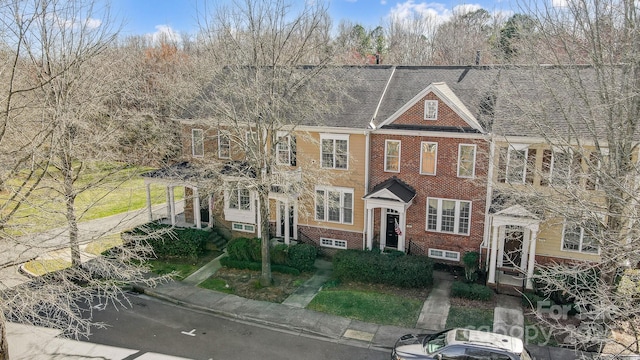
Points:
[(168, 192), (369, 229), (402, 219), (149, 210), (286, 221), (172, 206), (532, 256), (211, 211), (493, 257), (196, 208)]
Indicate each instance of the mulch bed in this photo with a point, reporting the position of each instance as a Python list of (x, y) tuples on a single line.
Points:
[(246, 283)]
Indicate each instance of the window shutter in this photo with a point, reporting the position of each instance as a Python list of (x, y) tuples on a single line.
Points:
[(502, 164), (576, 168), (531, 166), (547, 155), (293, 150)]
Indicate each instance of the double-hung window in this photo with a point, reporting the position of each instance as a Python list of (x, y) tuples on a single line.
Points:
[(428, 158), (466, 160), (285, 149), (392, 155), (448, 216), (516, 164), (334, 151), (239, 198), (334, 205), (580, 237), (431, 110), (224, 145), (197, 142)]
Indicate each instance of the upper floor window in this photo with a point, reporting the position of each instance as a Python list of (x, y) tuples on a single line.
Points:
[(197, 142), (449, 216), (334, 204), (565, 166), (392, 155), (285, 149), (334, 151), (224, 145), (516, 164), (466, 160), (428, 158), (431, 109), (581, 238)]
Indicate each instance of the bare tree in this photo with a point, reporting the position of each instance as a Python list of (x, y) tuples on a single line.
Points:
[(60, 119), (255, 92), (410, 41), (585, 109)]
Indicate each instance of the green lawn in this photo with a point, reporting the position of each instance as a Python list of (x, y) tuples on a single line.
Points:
[(124, 191), (467, 317), (368, 306), (183, 267), (41, 267), (216, 284)]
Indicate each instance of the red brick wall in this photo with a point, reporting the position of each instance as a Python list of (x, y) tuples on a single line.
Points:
[(210, 142), (415, 114), (445, 184), (188, 205), (353, 239)]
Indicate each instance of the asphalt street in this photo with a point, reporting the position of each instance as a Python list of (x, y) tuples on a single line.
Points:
[(151, 325)]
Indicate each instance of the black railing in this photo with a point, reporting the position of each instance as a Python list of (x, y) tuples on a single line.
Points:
[(415, 249)]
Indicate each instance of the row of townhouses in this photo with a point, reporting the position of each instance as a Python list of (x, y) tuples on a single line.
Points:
[(415, 161)]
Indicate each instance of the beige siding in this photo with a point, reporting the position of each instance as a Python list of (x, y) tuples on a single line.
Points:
[(550, 243)]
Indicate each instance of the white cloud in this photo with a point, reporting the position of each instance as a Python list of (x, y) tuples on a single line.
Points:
[(383, 2), (164, 32)]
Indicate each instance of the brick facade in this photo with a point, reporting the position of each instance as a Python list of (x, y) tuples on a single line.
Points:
[(353, 239)]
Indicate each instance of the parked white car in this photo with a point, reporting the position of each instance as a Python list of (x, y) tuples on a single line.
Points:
[(458, 344)]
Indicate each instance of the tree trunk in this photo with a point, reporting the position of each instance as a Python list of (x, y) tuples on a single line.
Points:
[(4, 345), (263, 194)]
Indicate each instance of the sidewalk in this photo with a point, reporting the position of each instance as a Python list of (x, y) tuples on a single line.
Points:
[(294, 318)]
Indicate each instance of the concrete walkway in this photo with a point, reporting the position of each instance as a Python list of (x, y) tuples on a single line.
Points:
[(307, 291), (508, 318), (433, 316)]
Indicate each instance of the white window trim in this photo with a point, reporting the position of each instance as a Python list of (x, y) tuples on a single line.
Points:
[(580, 251), (248, 228), (553, 177), (435, 164), (228, 136), (473, 169), (386, 147), (332, 243), (193, 142), (444, 254), (517, 147), (240, 215), (456, 218), (287, 138), (435, 116), (326, 190), (334, 137)]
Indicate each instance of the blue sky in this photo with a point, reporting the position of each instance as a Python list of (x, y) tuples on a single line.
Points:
[(154, 16)]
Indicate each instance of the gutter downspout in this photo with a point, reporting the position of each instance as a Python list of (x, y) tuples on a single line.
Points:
[(487, 218), (367, 133)]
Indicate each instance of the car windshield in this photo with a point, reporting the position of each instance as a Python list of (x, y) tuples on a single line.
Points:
[(525, 355), (434, 342)]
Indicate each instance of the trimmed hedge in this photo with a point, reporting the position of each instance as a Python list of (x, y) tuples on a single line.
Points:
[(375, 267), (471, 291), (179, 242), (244, 249), (256, 266), (302, 257)]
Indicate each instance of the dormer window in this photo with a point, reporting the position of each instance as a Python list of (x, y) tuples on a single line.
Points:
[(431, 110)]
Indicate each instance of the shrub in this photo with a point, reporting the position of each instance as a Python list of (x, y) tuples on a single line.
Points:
[(179, 242), (530, 300), (471, 291), (279, 254), (302, 257), (376, 267), (244, 249), (470, 260), (256, 266)]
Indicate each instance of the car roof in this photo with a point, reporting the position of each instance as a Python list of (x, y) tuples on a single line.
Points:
[(488, 339)]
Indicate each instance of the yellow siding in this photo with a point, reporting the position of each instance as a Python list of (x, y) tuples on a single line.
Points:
[(550, 242), (308, 155)]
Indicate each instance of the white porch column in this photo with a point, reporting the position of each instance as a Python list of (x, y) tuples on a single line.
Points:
[(402, 219), (172, 206), (168, 192), (196, 208), (286, 222), (211, 211), (369, 229), (149, 210), (493, 256), (532, 256)]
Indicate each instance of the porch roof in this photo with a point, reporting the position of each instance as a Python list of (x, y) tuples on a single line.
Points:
[(392, 189), (183, 171)]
